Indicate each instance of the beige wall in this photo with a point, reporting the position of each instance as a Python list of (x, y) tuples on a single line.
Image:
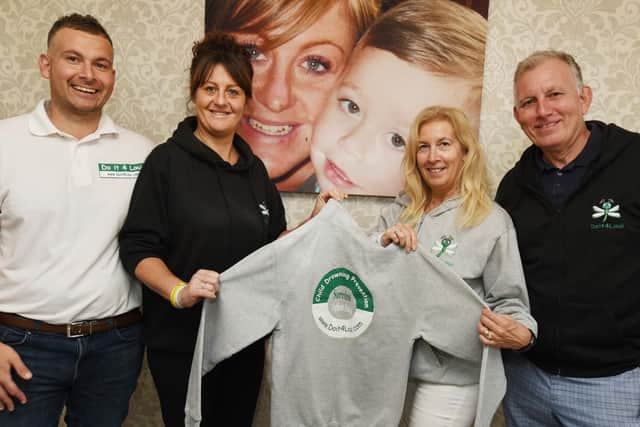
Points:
[(153, 38), (151, 41), (604, 37)]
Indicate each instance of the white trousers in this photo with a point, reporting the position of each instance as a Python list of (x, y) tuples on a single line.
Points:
[(438, 405)]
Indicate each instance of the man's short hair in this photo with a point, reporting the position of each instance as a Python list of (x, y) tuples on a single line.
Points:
[(540, 56), (75, 21)]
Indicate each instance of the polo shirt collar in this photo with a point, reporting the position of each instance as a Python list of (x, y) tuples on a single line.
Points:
[(40, 124), (586, 156)]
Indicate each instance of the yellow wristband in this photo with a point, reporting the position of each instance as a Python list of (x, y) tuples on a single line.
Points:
[(175, 293)]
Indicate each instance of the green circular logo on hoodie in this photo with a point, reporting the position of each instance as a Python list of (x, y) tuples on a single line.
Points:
[(342, 304)]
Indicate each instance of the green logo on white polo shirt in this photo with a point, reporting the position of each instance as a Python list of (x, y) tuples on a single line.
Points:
[(342, 304), (119, 170)]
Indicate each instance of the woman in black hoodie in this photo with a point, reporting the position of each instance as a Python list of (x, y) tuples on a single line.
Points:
[(202, 202)]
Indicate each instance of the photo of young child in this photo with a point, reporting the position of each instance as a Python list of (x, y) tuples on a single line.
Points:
[(418, 53)]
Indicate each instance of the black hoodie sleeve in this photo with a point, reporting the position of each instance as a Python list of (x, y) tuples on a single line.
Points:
[(145, 230)]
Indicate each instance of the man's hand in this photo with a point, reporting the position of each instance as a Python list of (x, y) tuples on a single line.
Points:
[(10, 359)]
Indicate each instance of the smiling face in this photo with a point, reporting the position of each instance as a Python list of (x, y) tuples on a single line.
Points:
[(290, 86), (219, 103), (359, 140), (550, 109), (79, 67), (440, 158)]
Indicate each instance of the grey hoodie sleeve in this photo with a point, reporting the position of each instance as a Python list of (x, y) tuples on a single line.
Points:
[(504, 283), (232, 320), (452, 334), (388, 216)]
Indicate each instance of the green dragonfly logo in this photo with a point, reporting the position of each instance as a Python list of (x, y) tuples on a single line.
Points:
[(444, 246), (607, 209)]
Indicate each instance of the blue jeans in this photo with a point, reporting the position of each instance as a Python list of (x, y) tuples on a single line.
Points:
[(93, 375)]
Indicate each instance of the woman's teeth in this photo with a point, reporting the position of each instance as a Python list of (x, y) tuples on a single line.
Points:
[(279, 130)]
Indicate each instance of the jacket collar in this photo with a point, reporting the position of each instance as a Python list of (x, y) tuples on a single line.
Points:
[(610, 139)]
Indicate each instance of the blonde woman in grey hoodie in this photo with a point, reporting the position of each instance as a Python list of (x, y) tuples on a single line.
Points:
[(446, 207)]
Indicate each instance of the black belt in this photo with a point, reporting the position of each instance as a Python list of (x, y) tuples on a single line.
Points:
[(74, 329)]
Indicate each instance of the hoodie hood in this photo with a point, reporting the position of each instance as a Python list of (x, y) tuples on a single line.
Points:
[(247, 164), (184, 137), (402, 200)]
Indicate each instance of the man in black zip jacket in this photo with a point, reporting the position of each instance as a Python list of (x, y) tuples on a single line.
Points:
[(575, 203)]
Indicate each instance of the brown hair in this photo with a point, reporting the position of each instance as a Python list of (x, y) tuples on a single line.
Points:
[(294, 16), (473, 179), (75, 21), (219, 49), (440, 36)]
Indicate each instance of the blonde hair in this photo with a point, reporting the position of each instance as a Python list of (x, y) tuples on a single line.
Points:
[(440, 36), (284, 19), (473, 180)]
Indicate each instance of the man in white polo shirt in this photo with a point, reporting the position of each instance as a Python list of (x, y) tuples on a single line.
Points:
[(70, 331)]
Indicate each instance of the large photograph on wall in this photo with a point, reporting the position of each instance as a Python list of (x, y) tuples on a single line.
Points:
[(337, 83)]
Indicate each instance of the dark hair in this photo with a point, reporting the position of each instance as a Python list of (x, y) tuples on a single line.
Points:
[(220, 49), (75, 21)]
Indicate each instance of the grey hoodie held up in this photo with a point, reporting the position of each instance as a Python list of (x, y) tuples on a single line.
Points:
[(486, 257), (344, 314)]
